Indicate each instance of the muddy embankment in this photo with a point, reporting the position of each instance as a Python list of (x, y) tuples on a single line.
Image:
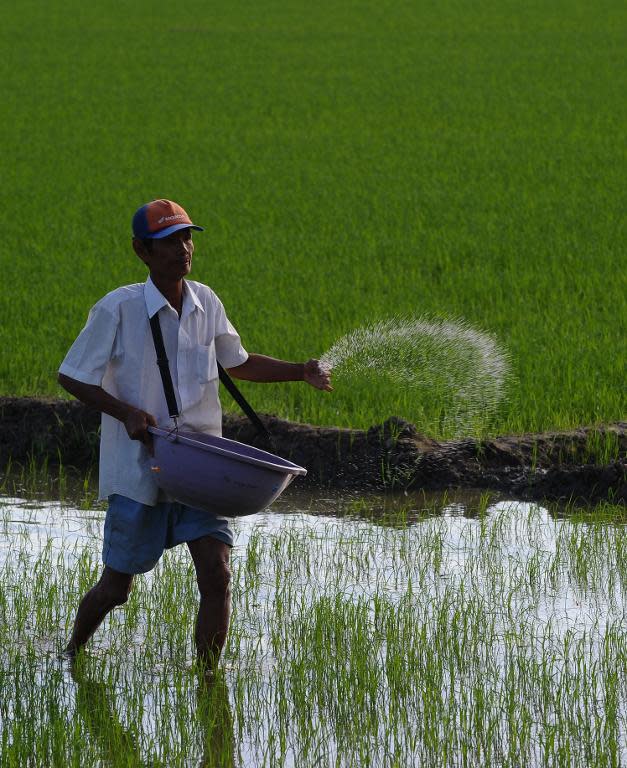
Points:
[(572, 465)]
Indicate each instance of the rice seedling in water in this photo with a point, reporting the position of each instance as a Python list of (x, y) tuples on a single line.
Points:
[(441, 361), (444, 640)]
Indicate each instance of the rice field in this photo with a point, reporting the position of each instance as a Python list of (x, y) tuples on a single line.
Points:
[(427, 631), (351, 162)]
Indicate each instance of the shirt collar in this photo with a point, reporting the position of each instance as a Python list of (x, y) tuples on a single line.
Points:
[(190, 299), (155, 300)]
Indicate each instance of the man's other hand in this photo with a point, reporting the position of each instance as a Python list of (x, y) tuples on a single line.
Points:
[(318, 375), (137, 423), (94, 396)]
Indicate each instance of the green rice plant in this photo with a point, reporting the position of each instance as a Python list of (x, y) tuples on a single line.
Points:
[(350, 162), (603, 446)]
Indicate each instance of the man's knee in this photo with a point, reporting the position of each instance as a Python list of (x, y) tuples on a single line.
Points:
[(113, 589), (214, 578)]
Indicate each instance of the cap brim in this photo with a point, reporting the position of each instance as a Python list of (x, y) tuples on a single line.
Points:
[(174, 228)]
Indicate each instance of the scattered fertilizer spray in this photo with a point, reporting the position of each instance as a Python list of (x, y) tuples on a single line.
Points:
[(445, 365)]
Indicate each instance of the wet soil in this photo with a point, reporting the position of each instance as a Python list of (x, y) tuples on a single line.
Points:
[(569, 465)]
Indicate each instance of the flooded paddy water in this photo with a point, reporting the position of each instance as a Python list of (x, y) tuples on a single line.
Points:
[(399, 631)]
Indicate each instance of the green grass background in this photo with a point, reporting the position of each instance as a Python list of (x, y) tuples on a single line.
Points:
[(350, 161)]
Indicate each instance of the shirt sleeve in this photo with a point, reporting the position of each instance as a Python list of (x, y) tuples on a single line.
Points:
[(229, 349), (90, 354)]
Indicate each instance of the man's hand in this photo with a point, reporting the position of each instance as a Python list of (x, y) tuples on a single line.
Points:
[(137, 423), (318, 375), (134, 419), (263, 368)]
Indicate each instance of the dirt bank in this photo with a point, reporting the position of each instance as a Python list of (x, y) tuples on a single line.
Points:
[(392, 455)]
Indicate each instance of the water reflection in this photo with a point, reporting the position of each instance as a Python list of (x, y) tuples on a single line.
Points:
[(335, 600), (393, 509), (96, 703), (215, 721), (118, 744), (41, 503)]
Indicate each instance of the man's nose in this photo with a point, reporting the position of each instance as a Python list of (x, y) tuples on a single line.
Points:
[(183, 244)]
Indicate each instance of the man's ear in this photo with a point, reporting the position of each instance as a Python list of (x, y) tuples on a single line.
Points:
[(141, 250)]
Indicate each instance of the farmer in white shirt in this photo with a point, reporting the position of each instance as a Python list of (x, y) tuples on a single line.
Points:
[(112, 367)]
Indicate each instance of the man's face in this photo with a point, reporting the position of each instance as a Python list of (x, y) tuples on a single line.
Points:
[(169, 258)]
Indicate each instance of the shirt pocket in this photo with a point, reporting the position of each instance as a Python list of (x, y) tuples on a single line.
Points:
[(207, 362)]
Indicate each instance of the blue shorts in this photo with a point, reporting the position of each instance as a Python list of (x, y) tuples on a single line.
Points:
[(135, 534)]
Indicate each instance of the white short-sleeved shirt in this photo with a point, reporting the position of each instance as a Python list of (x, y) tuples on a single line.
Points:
[(115, 350)]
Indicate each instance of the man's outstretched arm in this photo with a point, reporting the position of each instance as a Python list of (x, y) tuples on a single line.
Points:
[(262, 368)]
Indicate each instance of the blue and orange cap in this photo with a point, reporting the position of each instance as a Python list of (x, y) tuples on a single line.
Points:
[(160, 218)]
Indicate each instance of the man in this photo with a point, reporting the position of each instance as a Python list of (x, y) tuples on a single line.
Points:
[(112, 367)]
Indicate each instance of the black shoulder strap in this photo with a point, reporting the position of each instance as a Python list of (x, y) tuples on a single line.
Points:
[(168, 389), (164, 366), (242, 402)]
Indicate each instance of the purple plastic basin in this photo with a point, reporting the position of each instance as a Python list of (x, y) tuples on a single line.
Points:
[(221, 476)]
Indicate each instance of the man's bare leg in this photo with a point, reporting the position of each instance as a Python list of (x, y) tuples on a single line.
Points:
[(211, 560), (112, 589)]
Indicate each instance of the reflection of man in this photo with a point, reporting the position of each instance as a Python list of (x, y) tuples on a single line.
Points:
[(96, 703), (112, 367), (212, 723), (215, 722)]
